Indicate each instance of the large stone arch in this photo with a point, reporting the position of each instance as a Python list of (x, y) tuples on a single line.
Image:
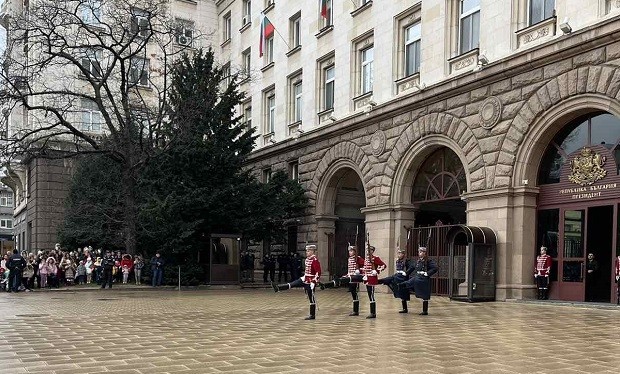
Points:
[(544, 128), (342, 155), (435, 128), (570, 93), (414, 157)]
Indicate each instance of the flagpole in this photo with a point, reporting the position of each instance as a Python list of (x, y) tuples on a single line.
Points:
[(275, 29)]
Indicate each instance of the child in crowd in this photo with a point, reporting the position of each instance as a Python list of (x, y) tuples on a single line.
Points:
[(69, 272), (43, 272), (125, 273), (81, 273)]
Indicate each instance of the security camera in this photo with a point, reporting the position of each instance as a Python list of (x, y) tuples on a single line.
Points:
[(333, 118), (372, 103), (420, 86), (300, 130), (272, 141), (483, 60), (565, 27)]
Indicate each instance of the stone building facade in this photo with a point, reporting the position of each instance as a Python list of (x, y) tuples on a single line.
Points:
[(498, 114)]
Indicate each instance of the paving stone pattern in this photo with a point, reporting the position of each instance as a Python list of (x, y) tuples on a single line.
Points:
[(257, 331)]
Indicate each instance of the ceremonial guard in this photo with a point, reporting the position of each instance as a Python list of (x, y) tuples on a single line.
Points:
[(308, 281), (541, 274), (353, 278), (422, 270), (400, 275), (373, 265)]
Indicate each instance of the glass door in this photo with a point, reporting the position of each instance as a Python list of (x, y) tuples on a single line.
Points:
[(571, 282)]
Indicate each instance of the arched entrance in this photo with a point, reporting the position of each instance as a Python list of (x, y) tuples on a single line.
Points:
[(339, 215), (578, 207), (436, 200), (436, 193)]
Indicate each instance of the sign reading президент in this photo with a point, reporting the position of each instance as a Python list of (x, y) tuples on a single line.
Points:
[(588, 192)]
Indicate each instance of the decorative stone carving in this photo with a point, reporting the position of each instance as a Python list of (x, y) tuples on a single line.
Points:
[(540, 31), (377, 142), (490, 112), (464, 62)]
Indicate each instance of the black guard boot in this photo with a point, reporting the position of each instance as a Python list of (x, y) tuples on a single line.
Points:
[(373, 310), (331, 284), (356, 308), (424, 308), (312, 312), (405, 310)]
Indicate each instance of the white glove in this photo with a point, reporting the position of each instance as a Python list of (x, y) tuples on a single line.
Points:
[(374, 272), (617, 277), (365, 278), (357, 272), (312, 285), (303, 278), (420, 272), (402, 273), (425, 274), (536, 275)]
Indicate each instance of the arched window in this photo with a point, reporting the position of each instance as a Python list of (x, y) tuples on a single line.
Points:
[(441, 177), (593, 129)]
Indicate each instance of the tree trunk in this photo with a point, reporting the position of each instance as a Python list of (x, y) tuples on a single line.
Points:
[(130, 210)]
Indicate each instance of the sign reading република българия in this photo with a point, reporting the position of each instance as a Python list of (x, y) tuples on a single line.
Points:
[(589, 192)]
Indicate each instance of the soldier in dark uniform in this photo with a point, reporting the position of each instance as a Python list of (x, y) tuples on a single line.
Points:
[(296, 265), (400, 275), (251, 259), (107, 264), (309, 280), (265, 263), (16, 264), (282, 267), (353, 278), (420, 283)]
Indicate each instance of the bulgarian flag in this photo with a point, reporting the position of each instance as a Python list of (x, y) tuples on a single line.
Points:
[(266, 32), (324, 9)]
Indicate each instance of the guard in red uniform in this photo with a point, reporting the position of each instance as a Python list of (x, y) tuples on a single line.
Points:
[(373, 265), (308, 281), (353, 278), (541, 274), (618, 280)]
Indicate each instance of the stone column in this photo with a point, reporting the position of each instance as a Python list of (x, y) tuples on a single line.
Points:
[(325, 224), (380, 223), (511, 213), (404, 216)]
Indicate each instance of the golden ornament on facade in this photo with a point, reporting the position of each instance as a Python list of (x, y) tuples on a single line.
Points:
[(587, 167)]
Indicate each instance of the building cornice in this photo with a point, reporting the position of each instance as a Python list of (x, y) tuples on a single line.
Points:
[(604, 33)]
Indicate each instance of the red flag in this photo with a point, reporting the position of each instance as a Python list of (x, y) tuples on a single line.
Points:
[(324, 8), (266, 32)]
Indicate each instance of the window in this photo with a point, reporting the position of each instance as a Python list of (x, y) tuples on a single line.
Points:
[(6, 201), (413, 35), (266, 175), (246, 62), (91, 62), (91, 116), (330, 85), (540, 10), (90, 12), (140, 22), (227, 27), (469, 25), (269, 50), (139, 72), (226, 78), (184, 33), (6, 223), (293, 170), (295, 31), (247, 12), (367, 58), (270, 112), (247, 116), (327, 12), (297, 101)]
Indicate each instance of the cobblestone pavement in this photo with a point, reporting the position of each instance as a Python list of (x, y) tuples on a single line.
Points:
[(257, 331)]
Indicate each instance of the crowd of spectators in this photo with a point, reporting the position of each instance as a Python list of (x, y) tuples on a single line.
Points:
[(55, 268)]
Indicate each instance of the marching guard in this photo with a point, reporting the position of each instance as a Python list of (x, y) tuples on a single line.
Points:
[(308, 281), (423, 269), (541, 274), (353, 278), (373, 265), (402, 264)]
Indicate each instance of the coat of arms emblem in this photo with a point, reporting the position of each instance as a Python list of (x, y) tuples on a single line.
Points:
[(587, 167)]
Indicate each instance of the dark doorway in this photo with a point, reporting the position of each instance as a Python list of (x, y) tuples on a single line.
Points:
[(599, 243), (345, 235)]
